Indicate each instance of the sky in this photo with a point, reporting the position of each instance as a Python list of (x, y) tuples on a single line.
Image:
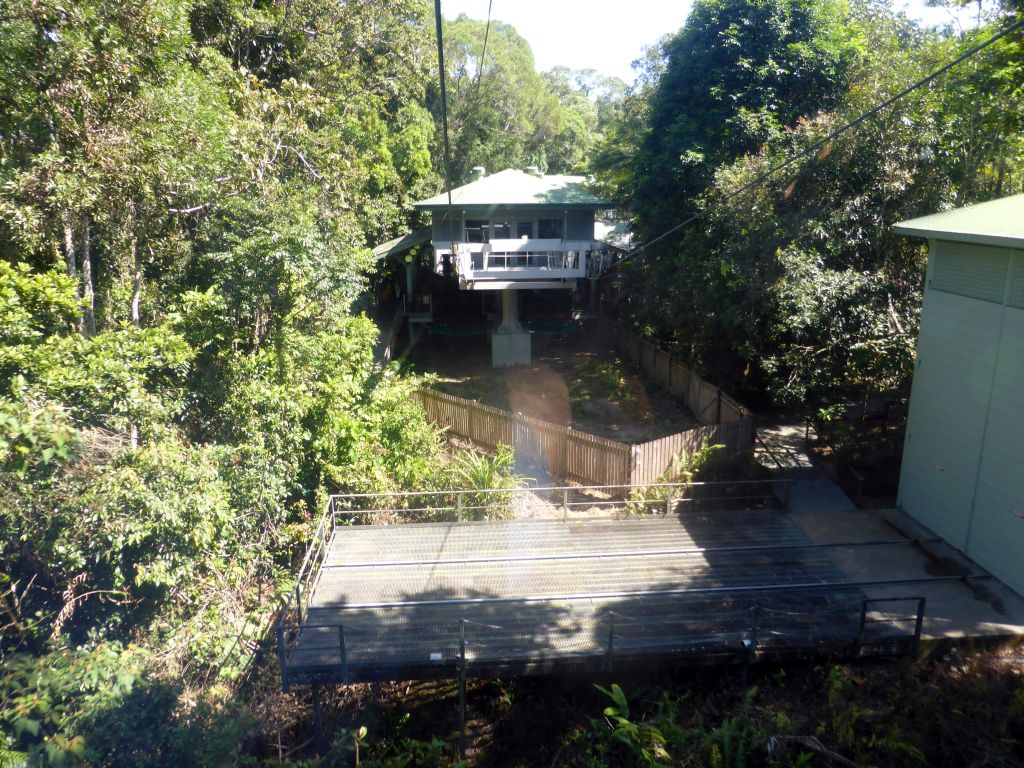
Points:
[(606, 36)]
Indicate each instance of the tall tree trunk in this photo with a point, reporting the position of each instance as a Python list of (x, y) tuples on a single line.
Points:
[(69, 253), (89, 310), (133, 252)]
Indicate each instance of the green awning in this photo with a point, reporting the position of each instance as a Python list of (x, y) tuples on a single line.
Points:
[(400, 245)]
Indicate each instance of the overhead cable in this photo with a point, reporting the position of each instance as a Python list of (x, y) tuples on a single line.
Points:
[(834, 134)]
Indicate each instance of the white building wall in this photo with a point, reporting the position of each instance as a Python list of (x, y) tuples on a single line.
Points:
[(963, 463)]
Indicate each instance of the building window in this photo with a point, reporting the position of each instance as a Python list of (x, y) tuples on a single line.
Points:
[(476, 230), (501, 230), (549, 229), (524, 229)]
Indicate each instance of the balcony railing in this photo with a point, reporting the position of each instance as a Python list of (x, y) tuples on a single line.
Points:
[(524, 259)]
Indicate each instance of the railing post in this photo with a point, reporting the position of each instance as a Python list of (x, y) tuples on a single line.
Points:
[(669, 503), (343, 653), (565, 504), (918, 627), (282, 655), (298, 602), (458, 505), (750, 644)]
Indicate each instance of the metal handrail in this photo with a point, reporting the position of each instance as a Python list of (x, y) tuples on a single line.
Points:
[(754, 625), (321, 534), (577, 488)]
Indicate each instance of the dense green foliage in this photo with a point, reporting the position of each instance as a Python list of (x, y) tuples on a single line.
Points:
[(503, 114), (822, 716), (798, 286), (189, 190), (187, 193)]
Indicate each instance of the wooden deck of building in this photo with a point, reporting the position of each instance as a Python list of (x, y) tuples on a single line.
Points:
[(517, 596)]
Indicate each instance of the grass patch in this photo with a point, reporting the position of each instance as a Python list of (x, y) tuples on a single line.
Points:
[(612, 381)]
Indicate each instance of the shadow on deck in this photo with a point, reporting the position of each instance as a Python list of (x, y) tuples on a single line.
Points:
[(498, 597)]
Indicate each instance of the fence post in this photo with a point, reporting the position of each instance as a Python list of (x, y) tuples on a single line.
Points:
[(458, 505), (298, 602), (669, 502), (565, 504)]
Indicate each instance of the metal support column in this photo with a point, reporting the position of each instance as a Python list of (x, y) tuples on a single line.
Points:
[(863, 626), (343, 653), (918, 626), (282, 657), (318, 713), (750, 644), (609, 650), (462, 688)]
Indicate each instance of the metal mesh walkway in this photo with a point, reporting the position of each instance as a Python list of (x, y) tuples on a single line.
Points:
[(409, 601)]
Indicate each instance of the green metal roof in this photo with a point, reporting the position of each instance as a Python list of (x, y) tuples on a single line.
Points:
[(997, 222), (401, 244), (514, 188)]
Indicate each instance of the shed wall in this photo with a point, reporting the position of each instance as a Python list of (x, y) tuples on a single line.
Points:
[(948, 403), (963, 464), (996, 538)]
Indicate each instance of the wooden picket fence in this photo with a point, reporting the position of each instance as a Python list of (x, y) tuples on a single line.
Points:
[(563, 452), (651, 459), (707, 402), (568, 454)]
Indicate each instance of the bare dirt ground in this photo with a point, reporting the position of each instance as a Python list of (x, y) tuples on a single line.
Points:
[(571, 382)]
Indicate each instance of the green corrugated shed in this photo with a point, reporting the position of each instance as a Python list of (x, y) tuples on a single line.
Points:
[(963, 463), (997, 222)]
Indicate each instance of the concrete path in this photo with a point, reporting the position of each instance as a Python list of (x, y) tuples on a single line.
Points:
[(783, 448)]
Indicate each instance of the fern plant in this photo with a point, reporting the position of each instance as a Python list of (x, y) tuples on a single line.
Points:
[(685, 468), (645, 741)]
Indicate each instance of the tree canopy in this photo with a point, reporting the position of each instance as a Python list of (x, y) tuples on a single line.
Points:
[(503, 114), (797, 286), (189, 192)]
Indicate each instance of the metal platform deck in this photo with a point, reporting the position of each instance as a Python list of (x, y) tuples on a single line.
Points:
[(425, 600)]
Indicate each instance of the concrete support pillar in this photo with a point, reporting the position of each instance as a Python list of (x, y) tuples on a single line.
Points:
[(510, 344), (510, 312)]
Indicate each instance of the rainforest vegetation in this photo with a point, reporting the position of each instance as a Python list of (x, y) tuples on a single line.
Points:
[(798, 286), (189, 192)]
